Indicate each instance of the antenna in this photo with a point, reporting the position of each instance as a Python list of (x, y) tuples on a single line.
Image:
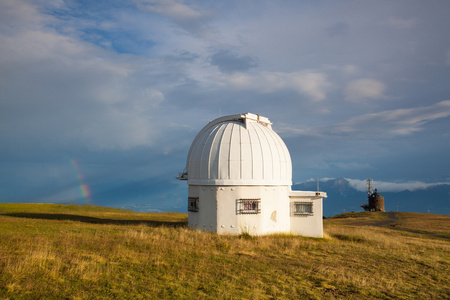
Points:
[(317, 183), (369, 186)]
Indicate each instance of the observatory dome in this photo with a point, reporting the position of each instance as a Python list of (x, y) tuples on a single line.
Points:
[(239, 149)]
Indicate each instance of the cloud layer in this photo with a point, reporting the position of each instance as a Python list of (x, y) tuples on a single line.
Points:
[(411, 186), (123, 87)]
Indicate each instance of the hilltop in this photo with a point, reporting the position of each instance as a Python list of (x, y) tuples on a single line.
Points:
[(87, 252)]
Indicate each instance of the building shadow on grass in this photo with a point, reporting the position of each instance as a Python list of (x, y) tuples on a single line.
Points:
[(92, 220)]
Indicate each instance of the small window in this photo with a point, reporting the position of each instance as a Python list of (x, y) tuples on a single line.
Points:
[(302, 209), (193, 204), (248, 206)]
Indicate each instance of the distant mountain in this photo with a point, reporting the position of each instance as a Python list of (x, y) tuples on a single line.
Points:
[(143, 196), (159, 195), (342, 196)]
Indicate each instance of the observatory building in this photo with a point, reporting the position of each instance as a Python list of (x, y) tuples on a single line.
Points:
[(239, 174)]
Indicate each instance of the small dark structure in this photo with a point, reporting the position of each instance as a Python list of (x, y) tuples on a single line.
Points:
[(376, 201)]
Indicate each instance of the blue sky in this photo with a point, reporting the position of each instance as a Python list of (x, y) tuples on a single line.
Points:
[(356, 90)]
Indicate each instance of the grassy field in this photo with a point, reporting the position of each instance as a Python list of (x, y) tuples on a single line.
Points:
[(429, 223), (86, 252)]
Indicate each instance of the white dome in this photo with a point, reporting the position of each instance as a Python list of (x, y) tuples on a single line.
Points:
[(239, 150)]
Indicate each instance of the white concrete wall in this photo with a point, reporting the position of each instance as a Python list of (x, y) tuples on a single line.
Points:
[(275, 209), (206, 218), (307, 225), (218, 210), (218, 207), (274, 215)]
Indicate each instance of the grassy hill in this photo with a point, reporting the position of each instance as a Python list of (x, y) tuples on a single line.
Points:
[(87, 252)]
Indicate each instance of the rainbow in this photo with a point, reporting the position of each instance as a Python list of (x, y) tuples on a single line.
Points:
[(83, 187)]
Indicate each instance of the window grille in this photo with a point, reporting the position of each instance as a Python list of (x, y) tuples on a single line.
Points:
[(302, 209), (248, 206), (193, 204)]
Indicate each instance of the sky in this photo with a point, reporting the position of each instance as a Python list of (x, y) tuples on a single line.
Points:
[(100, 100)]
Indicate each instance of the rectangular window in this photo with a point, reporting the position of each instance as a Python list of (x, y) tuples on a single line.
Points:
[(248, 206), (193, 204), (302, 208)]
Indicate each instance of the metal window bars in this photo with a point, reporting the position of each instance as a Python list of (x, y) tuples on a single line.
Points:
[(193, 204), (248, 206), (302, 209)]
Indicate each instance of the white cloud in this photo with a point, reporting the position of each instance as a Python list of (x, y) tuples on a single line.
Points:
[(171, 8), (186, 16), (294, 131), (323, 179), (384, 186), (311, 84), (14, 12), (386, 124), (66, 91), (395, 122), (366, 88)]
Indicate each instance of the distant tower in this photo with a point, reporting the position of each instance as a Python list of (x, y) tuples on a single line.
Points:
[(375, 200)]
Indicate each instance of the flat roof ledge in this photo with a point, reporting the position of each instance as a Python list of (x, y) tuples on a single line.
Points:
[(304, 194)]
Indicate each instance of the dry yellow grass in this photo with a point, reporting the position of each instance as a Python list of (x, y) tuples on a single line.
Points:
[(430, 223), (47, 258)]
